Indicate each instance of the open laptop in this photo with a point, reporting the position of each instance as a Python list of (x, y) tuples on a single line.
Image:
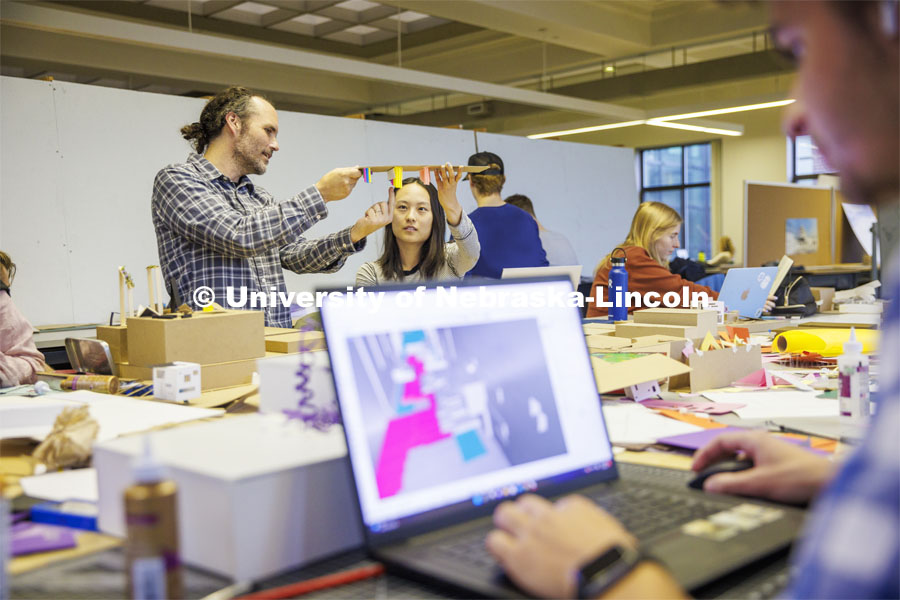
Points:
[(573, 272), (456, 398), (746, 290)]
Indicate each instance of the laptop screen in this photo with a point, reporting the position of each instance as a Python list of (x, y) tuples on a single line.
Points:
[(460, 396)]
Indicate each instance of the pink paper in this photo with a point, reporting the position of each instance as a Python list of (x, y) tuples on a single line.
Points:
[(710, 408)]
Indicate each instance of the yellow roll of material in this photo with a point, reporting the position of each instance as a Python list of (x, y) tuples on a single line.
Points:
[(827, 342)]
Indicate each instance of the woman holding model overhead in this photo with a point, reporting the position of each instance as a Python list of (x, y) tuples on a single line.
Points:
[(414, 246), (650, 242)]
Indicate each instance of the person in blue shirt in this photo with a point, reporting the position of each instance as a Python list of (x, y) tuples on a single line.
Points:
[(846, 91), (509, 236)]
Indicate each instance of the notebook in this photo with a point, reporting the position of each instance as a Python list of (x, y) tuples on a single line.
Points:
[(456, 398), (746, 290)]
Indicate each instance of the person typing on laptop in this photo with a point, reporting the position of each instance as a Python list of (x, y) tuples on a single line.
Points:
[(844, 51)]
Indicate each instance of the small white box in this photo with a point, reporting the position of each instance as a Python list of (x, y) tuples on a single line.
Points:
[(257, 494), (177, 381), (279, 379)]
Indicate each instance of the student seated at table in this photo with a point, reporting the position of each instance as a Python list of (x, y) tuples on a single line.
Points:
[(653, 237), (20, 359), (414, 246)]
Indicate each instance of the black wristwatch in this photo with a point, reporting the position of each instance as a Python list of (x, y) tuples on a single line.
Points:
[(601, 573)]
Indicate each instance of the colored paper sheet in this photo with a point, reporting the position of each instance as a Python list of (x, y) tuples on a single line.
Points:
[(28, 538)]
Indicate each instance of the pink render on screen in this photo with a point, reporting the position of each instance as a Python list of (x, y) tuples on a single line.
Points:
[(405, 433)]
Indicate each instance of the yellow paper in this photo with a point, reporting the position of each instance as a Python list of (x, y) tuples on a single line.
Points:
[(709, 343), (827, 342)]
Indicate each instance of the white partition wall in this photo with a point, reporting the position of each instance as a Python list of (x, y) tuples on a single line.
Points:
[(78, 162)]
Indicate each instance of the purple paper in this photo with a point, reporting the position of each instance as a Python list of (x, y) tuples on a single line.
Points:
[(28, 537), (710, 408), (698, 439)]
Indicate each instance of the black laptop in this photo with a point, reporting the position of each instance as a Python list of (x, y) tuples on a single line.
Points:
[(457, 397)]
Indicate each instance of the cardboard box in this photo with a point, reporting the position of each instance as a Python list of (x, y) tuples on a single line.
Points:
[(116, 337), (605, 343), (213, 376), (719, 368), (704, 319), (633, 330), (256, 495), (599, 328), (295, 341), (205, 338), (616, 376)]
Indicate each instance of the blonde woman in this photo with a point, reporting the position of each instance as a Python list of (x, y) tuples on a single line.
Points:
[(651, 241)]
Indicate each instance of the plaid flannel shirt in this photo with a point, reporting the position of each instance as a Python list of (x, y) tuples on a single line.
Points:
[(852, 542), (216, 233)]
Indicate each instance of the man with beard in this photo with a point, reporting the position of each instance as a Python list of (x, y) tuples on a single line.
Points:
[(847, 98), (215, 228)]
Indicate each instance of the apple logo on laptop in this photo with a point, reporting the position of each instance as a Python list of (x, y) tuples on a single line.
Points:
[(745, 293)]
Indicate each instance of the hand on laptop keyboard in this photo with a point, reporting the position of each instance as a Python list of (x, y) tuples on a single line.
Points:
[(782, 472), (541, 545)]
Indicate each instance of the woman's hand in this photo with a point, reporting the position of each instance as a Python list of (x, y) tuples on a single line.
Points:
[(446, 181), (377, 216), (770, 304)]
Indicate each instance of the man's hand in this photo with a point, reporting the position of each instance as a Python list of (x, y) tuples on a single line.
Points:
[(377, 216), (770, 304), (338, 183), (781, 472), (446, 181), (541, 545)]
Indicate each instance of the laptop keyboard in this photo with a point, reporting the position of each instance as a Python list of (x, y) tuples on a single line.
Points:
[(644, 512)]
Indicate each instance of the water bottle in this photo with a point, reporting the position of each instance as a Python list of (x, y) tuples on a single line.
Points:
[(618, 287)]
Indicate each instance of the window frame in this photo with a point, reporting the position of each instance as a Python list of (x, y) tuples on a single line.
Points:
[(682, 187), (792, 164)]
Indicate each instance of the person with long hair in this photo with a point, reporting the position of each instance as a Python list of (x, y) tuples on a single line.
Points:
[(652, 239), (414, 246)]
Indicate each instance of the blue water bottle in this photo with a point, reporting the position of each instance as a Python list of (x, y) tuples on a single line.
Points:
[(618, 287)]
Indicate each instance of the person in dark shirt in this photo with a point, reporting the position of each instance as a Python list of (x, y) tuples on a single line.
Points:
[(508, 235)]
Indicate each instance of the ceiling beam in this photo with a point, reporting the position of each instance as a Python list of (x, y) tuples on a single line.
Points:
[(159, 38)]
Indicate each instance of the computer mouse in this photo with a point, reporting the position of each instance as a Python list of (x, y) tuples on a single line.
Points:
[(723, 466)]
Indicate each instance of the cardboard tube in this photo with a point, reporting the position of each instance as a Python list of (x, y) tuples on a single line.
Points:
[(827, 342), (150, 288)]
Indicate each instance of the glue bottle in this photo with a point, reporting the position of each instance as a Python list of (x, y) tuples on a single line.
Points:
[(853, 379), (618, 287), (153, 564)]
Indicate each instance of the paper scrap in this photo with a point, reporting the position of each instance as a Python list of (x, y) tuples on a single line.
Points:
[(77, 484), (709, 343), (771, 404), (630, 423)]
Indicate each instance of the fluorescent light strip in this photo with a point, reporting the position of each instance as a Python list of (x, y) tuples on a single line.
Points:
[(659, 121), (724, 111), (670, 125), (539, 136)]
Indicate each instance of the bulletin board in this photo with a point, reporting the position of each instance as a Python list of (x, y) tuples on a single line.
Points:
[(771, 208)]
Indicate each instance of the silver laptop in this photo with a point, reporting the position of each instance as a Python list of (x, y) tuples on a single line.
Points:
[(573, 272), (456, 398)]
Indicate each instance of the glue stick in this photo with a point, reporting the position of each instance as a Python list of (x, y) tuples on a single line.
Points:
[(153, 563), (853, 379)]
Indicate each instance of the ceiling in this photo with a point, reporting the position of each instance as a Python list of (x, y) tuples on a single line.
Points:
[(508, 66)]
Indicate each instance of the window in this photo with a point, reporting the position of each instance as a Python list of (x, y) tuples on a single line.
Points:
[(806, 161), (679, 176)]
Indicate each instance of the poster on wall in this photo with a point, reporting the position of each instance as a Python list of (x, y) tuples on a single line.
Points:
[(801, 236)]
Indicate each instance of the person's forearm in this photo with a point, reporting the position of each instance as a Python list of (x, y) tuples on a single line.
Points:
[(647, 580), (454, 215)]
